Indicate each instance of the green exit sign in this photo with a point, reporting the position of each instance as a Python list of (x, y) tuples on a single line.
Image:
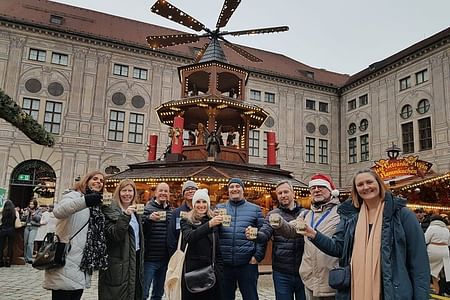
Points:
[(23, 177)]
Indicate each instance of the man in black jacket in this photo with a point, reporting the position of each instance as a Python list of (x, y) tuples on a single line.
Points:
[(286, 253), (156, 218)]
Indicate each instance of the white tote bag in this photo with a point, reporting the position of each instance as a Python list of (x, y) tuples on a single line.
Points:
[(174, 275)]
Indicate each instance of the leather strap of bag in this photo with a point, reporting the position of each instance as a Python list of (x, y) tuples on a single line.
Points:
[(213, 259), (78, 231)]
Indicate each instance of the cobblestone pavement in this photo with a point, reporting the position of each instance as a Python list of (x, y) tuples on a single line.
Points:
[(25, 282)]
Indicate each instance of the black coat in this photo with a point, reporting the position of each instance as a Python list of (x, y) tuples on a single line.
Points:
[(199, 254)]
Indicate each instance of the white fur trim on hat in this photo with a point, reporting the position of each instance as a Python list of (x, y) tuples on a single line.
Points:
[(201, 194), (320, 182)]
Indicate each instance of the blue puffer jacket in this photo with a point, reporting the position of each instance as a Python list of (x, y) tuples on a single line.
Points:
[(405, 271), (235, 248)]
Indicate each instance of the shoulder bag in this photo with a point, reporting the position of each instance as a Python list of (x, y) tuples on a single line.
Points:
[(339, 278), (203, 279), (52, 253), (174, 274)]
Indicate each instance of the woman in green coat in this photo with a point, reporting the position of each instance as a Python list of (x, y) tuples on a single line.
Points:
[(124, 277)]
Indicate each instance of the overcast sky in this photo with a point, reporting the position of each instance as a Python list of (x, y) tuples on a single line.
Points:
[(343, 36)]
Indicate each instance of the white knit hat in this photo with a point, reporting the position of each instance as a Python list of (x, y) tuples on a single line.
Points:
[(201, 194)]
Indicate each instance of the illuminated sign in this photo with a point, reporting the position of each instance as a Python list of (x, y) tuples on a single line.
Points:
[(409, 165)]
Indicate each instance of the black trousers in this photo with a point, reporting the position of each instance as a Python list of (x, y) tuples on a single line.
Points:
[(7, 234), (67, 295)]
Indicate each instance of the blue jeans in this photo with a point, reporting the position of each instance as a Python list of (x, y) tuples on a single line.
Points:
[(247, 278), (287, 286), (154, 271), (28, 242)]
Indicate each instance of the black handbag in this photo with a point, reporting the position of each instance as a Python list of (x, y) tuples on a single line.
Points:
[(339, 278), (52, 253), (203, 279)]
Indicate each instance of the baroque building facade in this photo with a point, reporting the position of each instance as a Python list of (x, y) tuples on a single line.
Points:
[(90, 79)]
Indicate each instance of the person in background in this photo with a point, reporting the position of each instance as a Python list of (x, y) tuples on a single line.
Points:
[(32, 217), (79, 216), (380, 240), (437, 237), (125, 242), (199, 228), (48, 225), (286, 253), (240, 256), (9, 220), (173, 232), (156, 219), (423, 218)]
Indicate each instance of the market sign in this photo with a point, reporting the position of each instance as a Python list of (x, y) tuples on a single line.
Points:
[(409, 165)]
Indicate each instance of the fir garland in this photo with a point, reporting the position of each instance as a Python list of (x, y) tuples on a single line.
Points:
[(13, 113)]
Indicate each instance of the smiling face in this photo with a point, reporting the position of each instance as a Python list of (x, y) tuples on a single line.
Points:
[(320, 194), (285, 195), (126, 196), (367, 187), (201, 207), (235, 192), (162, 193), (96, 183), (189, 193)]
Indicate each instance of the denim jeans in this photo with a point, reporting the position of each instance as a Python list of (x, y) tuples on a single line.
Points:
[(287, 286), (247, 278), (28, 242), (154, 271)]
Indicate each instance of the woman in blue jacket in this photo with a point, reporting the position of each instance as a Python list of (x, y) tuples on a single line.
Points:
[(382, 243)]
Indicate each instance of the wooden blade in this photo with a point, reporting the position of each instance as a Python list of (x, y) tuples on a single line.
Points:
[(243, 52), (228, 8), (161, 41), (258, 31), (201, 52), (167, 10)]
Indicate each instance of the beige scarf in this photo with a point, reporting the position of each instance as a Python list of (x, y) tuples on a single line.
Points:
[(365, 263)]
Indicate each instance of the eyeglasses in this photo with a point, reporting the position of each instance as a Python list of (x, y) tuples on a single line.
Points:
[(190, 189), (319, 187)]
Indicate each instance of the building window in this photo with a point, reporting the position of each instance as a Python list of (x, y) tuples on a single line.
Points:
[(116, 125), (120, 70), (406, 111), (52, 117), (136, 128), (310, 149), (269, 97), (323, 107), (422, 76), (363, 100), (139, 73), (405, 83), (363, 125), (253, 143), (309, 74), (364, 140), (423, 106), (425, 134), (323, 151), (38, 55), (31, 107), (408, 137), (60, 59), (351, 105), (351, 129), (255, 95), (265, 145), (310, 104), (352, 155), (57, 20)]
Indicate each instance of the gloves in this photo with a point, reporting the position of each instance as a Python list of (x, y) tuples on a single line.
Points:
[(93, 199)]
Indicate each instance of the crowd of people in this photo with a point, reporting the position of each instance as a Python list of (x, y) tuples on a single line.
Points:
[(373, 238)]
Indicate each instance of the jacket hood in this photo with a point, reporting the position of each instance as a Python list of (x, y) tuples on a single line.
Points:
[(438, 223)]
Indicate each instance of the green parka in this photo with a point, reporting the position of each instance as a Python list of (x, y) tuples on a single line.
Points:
[(124, 277)]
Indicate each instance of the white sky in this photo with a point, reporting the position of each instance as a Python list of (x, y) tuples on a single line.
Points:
[(344, 36)]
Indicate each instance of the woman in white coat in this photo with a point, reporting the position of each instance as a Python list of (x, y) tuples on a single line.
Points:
[(437, 238)]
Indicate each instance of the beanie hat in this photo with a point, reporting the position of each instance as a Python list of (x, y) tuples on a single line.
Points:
[(236, 180), (188, 184), (324, 180), (201, 194)]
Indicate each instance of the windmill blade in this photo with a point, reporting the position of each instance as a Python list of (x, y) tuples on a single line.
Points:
[(161, 41), (257, 31), (228, 8), (167, 10), (243, 52), (201, 52)]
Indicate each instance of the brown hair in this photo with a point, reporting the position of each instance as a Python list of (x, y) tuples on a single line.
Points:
[(82, 185), (356, 198), (122, 184)]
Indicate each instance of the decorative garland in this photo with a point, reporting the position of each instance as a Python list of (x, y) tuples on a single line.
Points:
[(13, 113)]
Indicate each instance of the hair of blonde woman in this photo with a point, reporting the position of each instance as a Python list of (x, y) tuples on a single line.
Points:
[(195, 218), (82, 185), (356, 198), (122, 184)]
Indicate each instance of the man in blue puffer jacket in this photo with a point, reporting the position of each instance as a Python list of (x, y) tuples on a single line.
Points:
[(240, 256)]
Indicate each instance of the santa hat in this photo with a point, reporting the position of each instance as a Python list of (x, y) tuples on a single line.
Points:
[(324, 180), (201, 194)]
